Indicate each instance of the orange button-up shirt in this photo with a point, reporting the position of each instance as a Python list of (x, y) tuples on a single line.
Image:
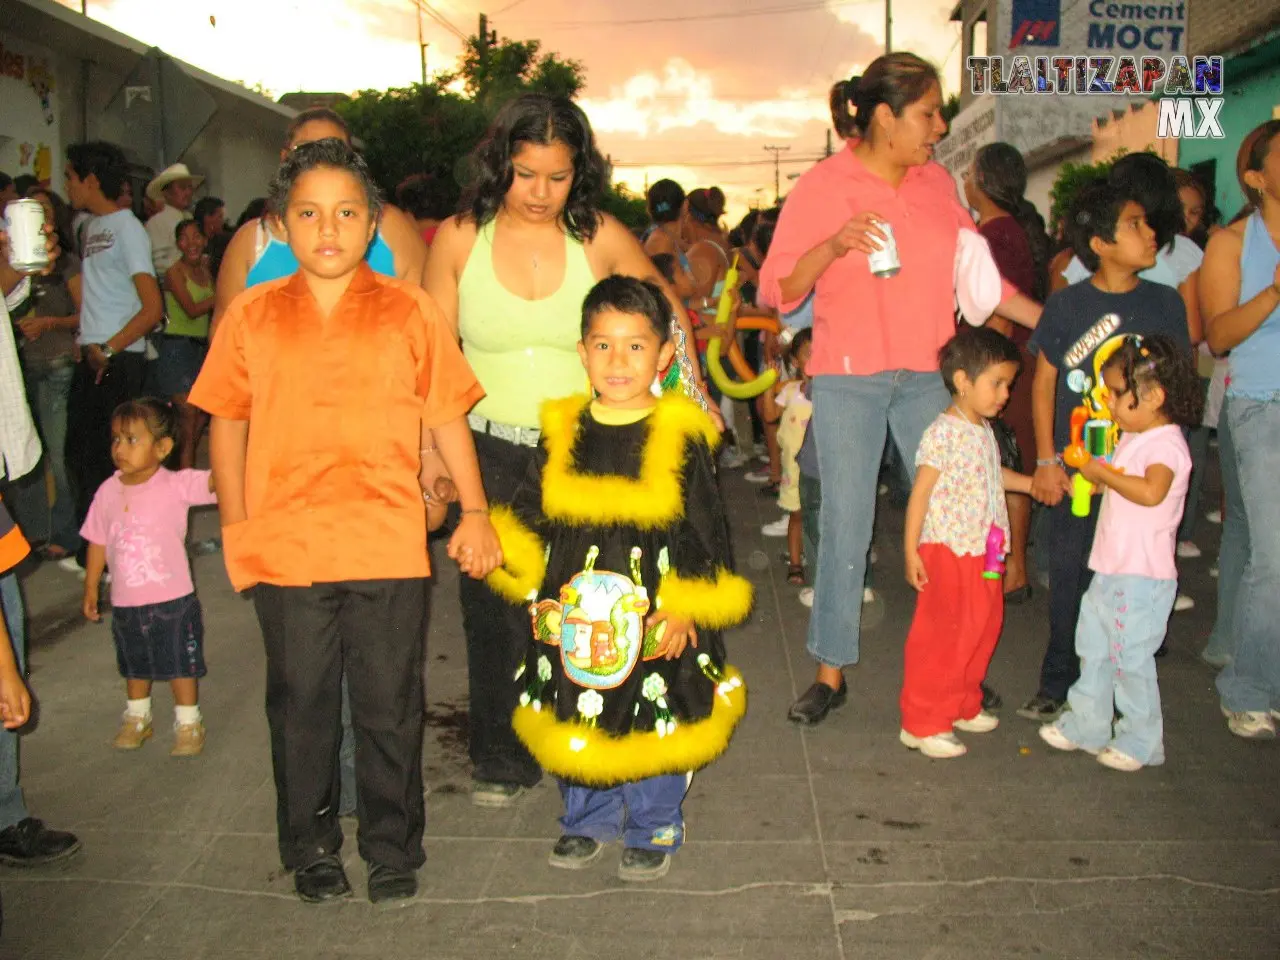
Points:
[(335, 408)]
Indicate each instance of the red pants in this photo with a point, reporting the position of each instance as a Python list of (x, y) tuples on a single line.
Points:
[(953, 634)]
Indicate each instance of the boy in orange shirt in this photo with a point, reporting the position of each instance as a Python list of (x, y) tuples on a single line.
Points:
[(341, 373)]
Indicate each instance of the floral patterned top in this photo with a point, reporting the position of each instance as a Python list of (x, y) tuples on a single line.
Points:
[(969, 495)]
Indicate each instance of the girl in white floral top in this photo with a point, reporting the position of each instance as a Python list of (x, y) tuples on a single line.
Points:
[(957, 529)]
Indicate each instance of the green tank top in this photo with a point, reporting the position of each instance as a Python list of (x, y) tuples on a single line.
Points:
[(181, 325), (523, 352)]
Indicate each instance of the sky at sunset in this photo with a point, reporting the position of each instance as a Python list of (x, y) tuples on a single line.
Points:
[(690, 89)]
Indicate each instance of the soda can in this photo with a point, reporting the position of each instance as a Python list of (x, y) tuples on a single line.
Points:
[(24, 223), (884, 262)]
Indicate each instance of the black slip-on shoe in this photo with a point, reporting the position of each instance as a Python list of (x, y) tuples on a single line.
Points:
[(816, 702), (321, 880)]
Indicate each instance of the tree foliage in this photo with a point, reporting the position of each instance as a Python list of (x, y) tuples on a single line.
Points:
[(431, 128)]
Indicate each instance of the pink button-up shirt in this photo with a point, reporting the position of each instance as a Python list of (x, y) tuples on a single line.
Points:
[(865, 324)]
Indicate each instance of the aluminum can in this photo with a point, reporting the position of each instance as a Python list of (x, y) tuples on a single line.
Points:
[(24, 223), (884, 262)]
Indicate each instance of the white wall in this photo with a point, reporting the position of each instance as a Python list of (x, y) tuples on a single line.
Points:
[(1040, 181)]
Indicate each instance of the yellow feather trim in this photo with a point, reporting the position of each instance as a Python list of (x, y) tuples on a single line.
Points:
[(524, 559), (715, 604), (655, 499), (586, 754)]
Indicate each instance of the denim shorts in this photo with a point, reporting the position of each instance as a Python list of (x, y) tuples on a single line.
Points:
[(160, 641)]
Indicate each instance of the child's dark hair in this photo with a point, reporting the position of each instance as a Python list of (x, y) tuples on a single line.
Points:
[(666, 265), (1149, 182), (332, 153), (160, 416), (1094, 213), (972, 350), (802, 337), (628, 295), (1159, 361), (665, 200), (313, 115), (183, 225)]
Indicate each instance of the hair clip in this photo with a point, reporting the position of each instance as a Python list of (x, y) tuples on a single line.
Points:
[(1082, 218)]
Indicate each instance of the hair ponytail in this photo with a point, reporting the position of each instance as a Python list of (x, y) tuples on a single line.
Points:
[(896, 79), (838, 99), (1001, 174)]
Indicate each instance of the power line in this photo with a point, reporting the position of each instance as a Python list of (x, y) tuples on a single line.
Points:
[(713, 163), (692, 17), (440, 18)]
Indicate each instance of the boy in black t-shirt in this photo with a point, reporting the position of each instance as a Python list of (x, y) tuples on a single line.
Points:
[(1079, 328)]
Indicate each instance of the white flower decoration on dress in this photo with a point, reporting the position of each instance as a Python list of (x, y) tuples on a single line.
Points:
[(590, 704)]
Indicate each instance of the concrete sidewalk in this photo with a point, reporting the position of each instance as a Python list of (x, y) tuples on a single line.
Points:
[(830, 843)]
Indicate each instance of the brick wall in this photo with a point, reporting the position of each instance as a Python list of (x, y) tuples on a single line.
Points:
[(1223, 27)]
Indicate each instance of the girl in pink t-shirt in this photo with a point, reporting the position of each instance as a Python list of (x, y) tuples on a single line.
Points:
[(954, 539), (1152, 391), (138, 526)]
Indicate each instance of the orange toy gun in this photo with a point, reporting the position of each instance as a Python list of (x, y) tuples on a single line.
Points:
[(1090, 439), (730, 388)]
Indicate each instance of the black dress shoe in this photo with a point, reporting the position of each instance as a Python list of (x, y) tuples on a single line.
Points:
[(816, 702), (388, 883), (29, 843), (321, 880)]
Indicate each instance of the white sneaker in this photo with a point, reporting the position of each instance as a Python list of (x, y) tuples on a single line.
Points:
[(1182, 602), (71, 565), (759, 477), (806, 596), (1116, 760), (1054, 737), (868, 595), (940, 746), (1214, 516), (778, 528), (980, 722), (1188, 550), (732, 459), (1251, 724)]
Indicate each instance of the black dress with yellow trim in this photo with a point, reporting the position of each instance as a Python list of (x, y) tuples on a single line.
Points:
[(616, 520)]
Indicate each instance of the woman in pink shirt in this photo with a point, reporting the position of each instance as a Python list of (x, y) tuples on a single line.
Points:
[(875, 339)]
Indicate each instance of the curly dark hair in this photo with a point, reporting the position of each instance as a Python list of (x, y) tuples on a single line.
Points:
[(332, 153), (542, 120), (1159, 361), (1148, 181)]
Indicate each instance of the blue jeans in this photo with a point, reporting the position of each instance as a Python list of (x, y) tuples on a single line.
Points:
[(1251, 682), (644, 813), (12, 807), (1122, 624), (850, 417), (1233, 551), (49, 386)]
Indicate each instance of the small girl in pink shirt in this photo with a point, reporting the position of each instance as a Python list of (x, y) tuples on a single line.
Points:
[(1153, 391), (138, 526)]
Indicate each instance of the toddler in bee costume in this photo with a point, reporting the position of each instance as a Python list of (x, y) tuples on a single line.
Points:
[(618, 544)]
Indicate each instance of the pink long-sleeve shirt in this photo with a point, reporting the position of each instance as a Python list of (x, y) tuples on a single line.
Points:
[(865, 324)]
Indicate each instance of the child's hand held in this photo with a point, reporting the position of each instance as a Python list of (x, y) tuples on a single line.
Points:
[(916, 574), (475, 545), (15, 700), (89, 606), (680, 633)]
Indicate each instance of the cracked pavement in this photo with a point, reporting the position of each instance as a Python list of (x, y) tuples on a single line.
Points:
[(828, 843)]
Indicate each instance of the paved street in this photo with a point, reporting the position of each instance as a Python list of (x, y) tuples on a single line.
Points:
[(831, 843)]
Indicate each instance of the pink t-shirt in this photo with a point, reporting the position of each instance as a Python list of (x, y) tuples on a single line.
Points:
[(1137, 540), (968, 496), (144, 529), (865, 324)]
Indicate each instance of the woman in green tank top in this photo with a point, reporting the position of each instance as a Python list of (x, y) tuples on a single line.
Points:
[(510, 272), (188, 300)]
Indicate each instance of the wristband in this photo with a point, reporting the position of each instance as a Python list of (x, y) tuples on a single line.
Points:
[(1053, 462)]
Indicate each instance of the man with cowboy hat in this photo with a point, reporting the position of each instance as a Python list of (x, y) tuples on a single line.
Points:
[(172, 191)]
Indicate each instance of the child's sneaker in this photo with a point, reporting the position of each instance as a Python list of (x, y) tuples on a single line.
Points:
[(940, 746), (134, 732), (756, 476), (981, 722), (1250, 724), (806, 596), (574, 853), (188, 739), (1054, 737), (640, 865), (778, 528), (1116, 760), (1182, 603)]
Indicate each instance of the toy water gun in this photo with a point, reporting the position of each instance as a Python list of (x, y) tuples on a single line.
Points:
[(1091, 438), (993, 563), (754, 386)]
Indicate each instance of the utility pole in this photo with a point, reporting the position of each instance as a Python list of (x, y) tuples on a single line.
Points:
[(422, 47), (487, 39), (777, 185), (829, 147), (888, 26)]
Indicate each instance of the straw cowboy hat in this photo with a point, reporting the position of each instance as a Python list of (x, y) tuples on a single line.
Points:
[(170, 175)]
